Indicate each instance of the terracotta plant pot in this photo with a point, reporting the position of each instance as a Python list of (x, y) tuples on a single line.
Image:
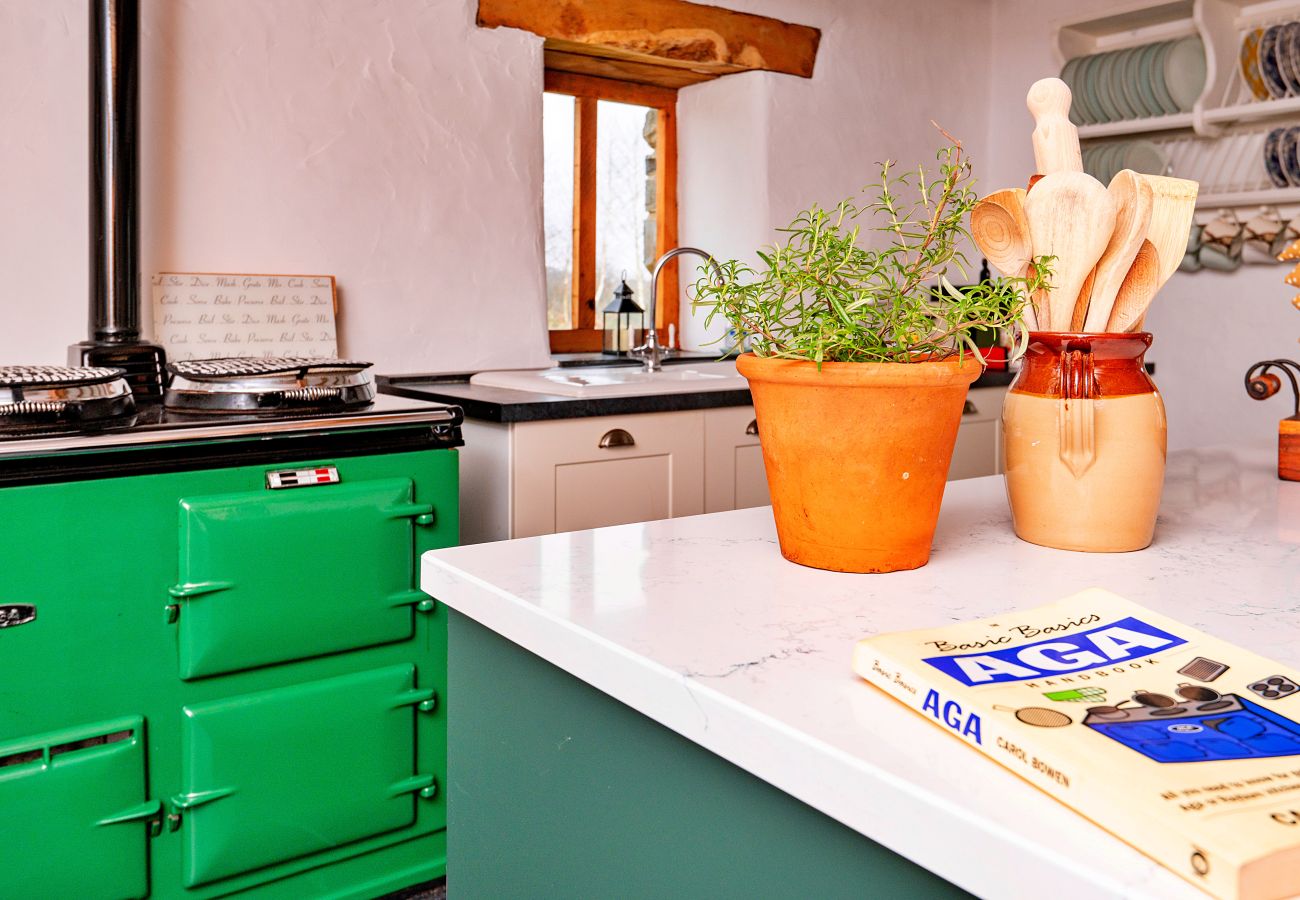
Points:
[(857, 456), (1083, 443)]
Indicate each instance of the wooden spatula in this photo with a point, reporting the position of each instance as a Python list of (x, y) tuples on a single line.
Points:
[(1133, 203), (1055, 139), (1139, 286), (1173, 203), (1071, 217), (1000, 230)]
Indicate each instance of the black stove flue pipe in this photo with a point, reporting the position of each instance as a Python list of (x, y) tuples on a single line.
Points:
[(115, 201)]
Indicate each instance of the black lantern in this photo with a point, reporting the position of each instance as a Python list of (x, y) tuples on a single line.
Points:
[(623, 324)]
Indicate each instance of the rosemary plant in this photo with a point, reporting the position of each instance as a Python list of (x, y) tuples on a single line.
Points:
[(821, 297)]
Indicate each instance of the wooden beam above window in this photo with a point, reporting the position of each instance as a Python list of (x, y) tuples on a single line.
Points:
[(635, 40)]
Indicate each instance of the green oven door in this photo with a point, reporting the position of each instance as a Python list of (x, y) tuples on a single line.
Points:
[(73, 813), (276, 575), (279, 774)]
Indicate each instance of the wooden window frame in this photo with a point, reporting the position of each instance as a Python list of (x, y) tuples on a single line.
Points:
[(585, 335)]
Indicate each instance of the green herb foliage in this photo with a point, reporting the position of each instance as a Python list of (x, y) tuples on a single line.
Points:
[(820, 296)]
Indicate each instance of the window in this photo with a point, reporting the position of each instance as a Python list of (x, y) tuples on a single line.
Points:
[(610, 198)]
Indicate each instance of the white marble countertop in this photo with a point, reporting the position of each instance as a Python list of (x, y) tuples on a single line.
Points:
[(700, 624)]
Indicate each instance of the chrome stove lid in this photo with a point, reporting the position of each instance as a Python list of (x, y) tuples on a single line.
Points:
[(268, 385), (61, 398)]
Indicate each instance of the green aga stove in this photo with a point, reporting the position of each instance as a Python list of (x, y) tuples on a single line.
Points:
[(217, 674)]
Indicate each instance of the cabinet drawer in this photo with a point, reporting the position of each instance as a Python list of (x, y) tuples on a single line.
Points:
[(271, 576), (279, 774), (75, 812), (608, 470)]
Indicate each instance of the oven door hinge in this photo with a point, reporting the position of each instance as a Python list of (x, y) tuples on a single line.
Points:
[(420, 513), (413, 597), (426, 785), (188, 591), (178, 803)]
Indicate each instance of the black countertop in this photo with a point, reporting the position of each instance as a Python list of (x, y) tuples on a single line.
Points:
[(492, 404)]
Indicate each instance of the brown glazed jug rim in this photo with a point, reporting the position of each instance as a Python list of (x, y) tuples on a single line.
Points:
[(1115, 345), (1083, 365)]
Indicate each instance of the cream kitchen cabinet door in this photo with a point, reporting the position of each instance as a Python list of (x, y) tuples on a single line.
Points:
[(979, 451), (572, 474), (733, 460)]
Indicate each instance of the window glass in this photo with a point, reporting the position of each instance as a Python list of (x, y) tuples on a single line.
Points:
[(557, 193), (625, 199)]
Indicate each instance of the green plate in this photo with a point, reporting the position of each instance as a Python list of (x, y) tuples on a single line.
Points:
[(1119, 89), (1087, 94), (1185, 71), (1113, 161), (1099, 82), (1090, 161), (1145, 157), (1070, 75), (1138, 77), (1146, 77), (1157, 78)]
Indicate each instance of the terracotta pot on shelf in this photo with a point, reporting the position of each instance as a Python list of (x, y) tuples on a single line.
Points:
[(1083, 443), (857, 456)]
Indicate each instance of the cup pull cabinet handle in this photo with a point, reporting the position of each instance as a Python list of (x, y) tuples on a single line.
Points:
[(616, 437), (752, 428)]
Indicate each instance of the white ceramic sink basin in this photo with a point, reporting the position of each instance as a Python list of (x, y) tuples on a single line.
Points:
[(615, 381)]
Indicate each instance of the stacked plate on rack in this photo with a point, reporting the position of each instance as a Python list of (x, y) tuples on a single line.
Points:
[(1140, 82), (1282, 156), (1270, 61), (1102, 161)]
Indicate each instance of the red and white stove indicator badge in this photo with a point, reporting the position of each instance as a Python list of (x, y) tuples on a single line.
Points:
[(290, 478)]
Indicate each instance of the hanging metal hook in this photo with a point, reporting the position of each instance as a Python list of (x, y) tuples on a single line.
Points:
[(1261, 383)]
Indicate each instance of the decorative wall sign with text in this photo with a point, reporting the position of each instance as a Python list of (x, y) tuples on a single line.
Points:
[(206, 316)]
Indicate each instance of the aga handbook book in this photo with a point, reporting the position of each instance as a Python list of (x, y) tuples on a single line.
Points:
[(1179, 743)]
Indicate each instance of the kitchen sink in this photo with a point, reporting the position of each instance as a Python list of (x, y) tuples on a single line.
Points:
[(618, 381)]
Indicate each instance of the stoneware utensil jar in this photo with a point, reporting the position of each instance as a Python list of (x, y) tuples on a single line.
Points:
[(1083, 443)]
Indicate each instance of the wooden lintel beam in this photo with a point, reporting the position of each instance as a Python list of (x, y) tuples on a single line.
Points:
[(669, 77), (671, 32), (608, 89)]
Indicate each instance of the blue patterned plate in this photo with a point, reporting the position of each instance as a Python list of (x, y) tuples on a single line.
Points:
[(1288, 56), (1287, 154), (1272, 158), (1268, 62)]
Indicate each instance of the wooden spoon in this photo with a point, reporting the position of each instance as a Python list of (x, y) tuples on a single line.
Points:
[(1071, 217), (1000, 230), (1082, 304), (1056, 140), (1140, 285), (1173, 203), (1133, 203)]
